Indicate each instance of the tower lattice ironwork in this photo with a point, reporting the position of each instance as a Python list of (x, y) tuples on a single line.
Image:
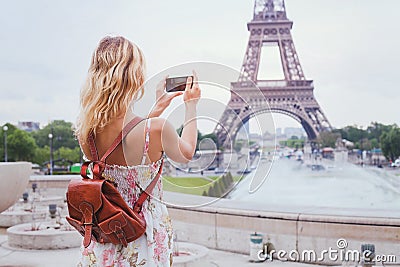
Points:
[(292, 96)]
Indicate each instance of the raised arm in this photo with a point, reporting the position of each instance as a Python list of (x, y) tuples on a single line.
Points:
[(181, 149), (162, 99)]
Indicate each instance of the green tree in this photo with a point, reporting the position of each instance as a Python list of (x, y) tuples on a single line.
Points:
[(365, 139), (225, 181), (42, 154), (11, 129), (229, 176), (374, 142), (283, 143), (211, 192), (217, 189), (293, 142), (62, 132), (328, 139), (375, 130), (21, 146), (364, 144), (355, 134), (200, 136), (390, 143), (229, 179), (69, 154), (221, 187)]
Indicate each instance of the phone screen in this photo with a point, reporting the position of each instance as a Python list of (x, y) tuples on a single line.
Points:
[(176, 84)]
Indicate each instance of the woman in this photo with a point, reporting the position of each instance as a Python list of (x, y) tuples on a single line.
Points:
[(115, 79)]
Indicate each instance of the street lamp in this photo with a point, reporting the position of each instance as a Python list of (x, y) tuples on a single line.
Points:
[(51, 153), (361, 146), (5, 129)]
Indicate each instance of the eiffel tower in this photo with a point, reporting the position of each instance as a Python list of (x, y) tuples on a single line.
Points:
[(292, 96)]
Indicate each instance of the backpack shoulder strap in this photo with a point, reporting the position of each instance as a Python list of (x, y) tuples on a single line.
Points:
[(95, 157), (92, 147), (147, 192), (146, 141), (98, 165), (128, 127)]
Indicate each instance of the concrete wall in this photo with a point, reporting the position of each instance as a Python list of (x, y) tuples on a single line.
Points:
[(227, 224), (52, 181), (51, 185), (224, 226)]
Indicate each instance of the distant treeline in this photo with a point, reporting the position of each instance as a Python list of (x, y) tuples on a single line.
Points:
[(376, 135), (35, 146)]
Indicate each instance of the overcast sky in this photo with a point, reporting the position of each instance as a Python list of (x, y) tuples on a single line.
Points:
[(349, 48)]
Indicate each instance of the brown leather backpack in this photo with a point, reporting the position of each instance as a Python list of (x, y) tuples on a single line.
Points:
[(96, 208)]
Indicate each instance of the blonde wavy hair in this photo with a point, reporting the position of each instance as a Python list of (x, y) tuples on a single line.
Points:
[(115, 78)]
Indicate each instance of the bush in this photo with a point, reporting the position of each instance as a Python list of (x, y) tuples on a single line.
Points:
[(211, 192), (221, 187), (217, 190)]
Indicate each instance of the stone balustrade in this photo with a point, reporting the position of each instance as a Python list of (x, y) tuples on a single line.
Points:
[(227, 225)]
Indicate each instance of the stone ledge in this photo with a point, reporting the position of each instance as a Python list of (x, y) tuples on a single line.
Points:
[(20, 236), (303, 213), (227, 225)]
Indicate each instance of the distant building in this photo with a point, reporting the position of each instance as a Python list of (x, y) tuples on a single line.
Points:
[(255, 137), (268, 136), (244, 132), (28, 126), (293, 131)]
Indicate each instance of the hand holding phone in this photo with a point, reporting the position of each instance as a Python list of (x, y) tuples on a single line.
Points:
[(176, 84), (192, 94)]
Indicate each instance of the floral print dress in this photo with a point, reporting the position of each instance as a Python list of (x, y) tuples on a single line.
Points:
[(155, 247)]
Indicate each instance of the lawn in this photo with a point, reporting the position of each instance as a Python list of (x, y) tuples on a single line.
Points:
[(236, 178), (190, 185), (187, 185)]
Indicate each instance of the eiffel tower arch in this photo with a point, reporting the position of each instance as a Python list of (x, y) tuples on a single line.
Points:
[(293, 95)]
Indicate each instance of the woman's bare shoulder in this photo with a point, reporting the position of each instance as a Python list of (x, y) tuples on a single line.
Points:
[(157, 124)]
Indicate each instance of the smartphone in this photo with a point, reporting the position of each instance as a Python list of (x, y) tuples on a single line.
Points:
[(176, 84)]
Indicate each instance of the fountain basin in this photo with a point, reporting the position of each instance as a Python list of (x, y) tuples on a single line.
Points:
[(189, 254), (14, 217), (14, 178), (46, 238), (22, 212), (46, 200)]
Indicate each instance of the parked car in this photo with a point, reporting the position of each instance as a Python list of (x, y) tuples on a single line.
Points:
[(396, 163), (245, 171), (220, 170), (76, 168), (317, 167)]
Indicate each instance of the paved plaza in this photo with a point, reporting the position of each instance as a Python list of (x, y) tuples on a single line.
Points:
[(12, 257)]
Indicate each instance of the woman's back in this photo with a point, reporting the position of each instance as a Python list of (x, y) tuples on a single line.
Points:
[(130, 152), (115, 79), (155, 247)]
